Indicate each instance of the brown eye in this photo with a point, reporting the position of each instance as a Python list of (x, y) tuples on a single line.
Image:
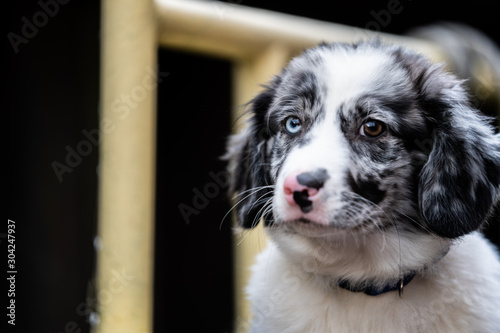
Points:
[(372, 128)]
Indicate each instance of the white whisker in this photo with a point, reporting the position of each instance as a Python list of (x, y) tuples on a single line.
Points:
[(257, 202), (255, 189), (252, 191)]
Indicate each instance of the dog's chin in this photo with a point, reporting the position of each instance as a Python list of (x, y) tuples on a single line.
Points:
[(310, 228)]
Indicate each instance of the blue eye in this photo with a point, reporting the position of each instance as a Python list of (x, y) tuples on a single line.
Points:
[(293, 125)]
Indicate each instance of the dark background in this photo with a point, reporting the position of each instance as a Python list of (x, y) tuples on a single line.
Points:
[(52, 95)]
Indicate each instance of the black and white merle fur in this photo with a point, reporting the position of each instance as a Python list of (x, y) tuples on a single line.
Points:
[(407, 201)]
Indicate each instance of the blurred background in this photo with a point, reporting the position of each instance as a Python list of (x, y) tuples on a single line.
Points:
[(52, 102)]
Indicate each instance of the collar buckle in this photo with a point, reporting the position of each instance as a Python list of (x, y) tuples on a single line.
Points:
[(401, 288)]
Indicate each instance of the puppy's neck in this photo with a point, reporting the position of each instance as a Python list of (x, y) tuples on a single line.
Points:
[(378, 258)]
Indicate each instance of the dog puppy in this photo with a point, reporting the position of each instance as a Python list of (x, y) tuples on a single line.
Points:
[(373, 175)]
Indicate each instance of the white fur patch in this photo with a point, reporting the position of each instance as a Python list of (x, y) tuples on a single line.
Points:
[(461, 293)]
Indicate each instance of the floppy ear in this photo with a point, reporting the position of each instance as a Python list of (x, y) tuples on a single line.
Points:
[(249, 165), (459, 183)]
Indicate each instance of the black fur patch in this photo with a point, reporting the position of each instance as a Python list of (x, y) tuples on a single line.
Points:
[(368, 189)]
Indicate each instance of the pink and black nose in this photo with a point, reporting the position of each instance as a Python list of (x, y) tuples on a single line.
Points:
[(301, 189)]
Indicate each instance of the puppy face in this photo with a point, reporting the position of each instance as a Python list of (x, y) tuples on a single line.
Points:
[(346, 119), (362, 139)]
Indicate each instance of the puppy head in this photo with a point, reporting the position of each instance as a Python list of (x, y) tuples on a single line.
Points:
[(361, 138)]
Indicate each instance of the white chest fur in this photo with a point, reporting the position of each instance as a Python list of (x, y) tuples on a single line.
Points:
[(461, 293)]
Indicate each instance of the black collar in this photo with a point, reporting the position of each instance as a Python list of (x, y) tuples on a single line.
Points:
[(372, 290)]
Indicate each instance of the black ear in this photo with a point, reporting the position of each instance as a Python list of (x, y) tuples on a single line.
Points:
[(249, 164), (460, 182)]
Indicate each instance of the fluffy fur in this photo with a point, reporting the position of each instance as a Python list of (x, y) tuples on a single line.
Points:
[(406, 201)]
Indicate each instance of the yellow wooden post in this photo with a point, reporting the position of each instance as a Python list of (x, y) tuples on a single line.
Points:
[(127, 167)]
